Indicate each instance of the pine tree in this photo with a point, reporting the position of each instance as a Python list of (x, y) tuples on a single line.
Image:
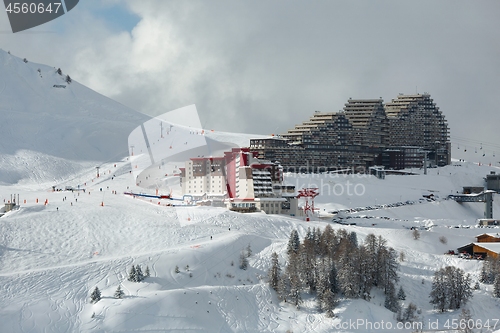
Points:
[(353, 238), (391, 301), (450, 288), (496, 287), (327, 241), (388, 267), (348, 277), (284, 286), (333, 279), (119, 292), (364, 267), (274, 272), (372, 249), (439, 292), (68, 79), (401, 294), (329, 303), (147, 273), (139, 274), (243, 260), (490, 270), (95, 296), (59, 71), (465, 320), (293, 242), (177, 269), (295, 283), (308, 262), (249, 250), (132, 275), (409, 313)]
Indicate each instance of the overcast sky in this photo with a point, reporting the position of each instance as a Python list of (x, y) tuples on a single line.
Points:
[(264, 66)]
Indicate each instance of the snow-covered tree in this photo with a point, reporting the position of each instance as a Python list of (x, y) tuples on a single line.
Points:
[(147, 273), (439, 291), (132, 275), (68, 79), (308, 262), (409, 313), (327, 242), (284, 286), (95, 296), (465, 321), (391, 301), (496, 286), (353, 238), (293, 279), (59, 71), (274, 272), (119, 292), (177, 269), (490, 270), (388, 271), (348, 277), (243, 260), (139, 276), (365, 272), (249, 250), (293, 242), (401, 294), (450, 288)]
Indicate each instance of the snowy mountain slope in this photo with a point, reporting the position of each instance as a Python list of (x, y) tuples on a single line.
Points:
[(52, 256), (74, 123)]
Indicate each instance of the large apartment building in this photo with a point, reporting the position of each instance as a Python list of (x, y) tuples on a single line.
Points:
[(415, 120), (363, 134), (239, 179)]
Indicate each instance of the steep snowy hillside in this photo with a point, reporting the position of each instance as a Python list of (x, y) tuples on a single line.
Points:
[(42, 113)]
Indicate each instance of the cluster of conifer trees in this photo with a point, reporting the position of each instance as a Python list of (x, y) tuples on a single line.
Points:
[(490, 274), (450, 288), (136, 274), (331, 265)]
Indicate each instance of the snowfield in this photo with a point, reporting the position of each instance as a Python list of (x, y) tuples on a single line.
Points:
[(52, 256), (59, 245)]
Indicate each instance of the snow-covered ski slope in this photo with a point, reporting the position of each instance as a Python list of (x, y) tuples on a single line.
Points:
[(52, 256), (74, 122)]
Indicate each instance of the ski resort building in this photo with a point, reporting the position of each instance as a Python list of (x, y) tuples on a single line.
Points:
[(415, 120), (238, 178), (365, 133)]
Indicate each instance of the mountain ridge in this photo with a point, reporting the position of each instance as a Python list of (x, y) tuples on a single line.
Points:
[(70, 121)]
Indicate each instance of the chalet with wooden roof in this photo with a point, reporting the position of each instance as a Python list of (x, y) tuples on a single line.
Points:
[(487, 245)]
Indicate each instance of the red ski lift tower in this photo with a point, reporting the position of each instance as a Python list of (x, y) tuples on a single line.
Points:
[(308, 193)]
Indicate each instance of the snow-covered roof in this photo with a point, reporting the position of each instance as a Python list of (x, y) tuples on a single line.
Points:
[(497, 235), (494, 247)]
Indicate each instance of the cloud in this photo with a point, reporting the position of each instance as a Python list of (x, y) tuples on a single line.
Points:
[(264, 66)]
